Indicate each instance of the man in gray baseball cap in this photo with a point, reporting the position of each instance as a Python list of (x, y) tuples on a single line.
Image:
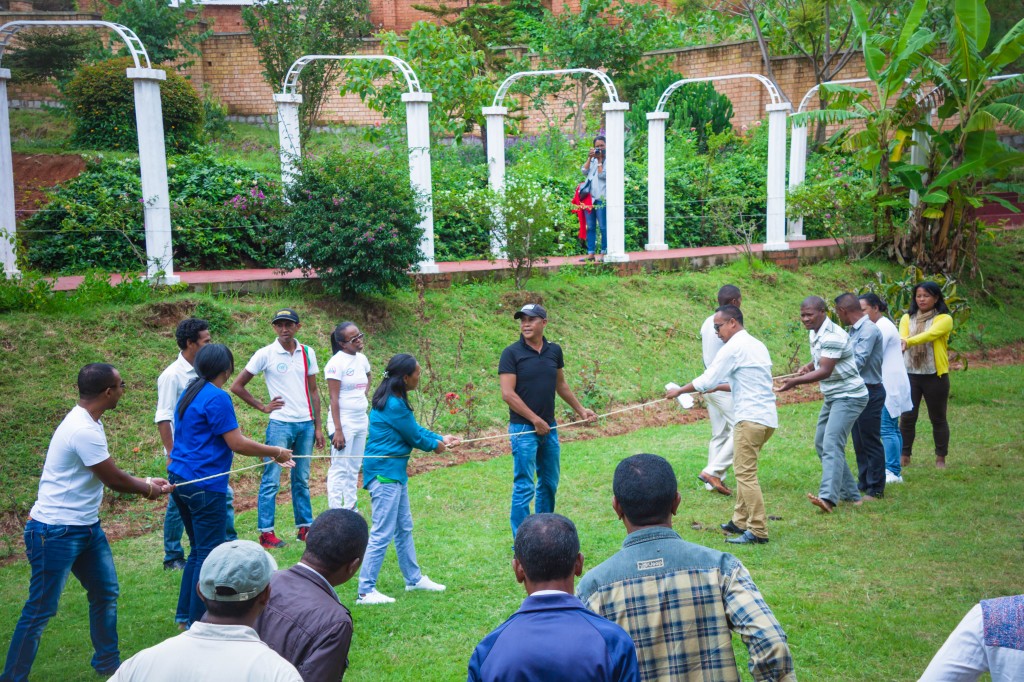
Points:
[(234, 583)]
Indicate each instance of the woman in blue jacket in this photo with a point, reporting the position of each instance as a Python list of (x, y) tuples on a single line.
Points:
[(393, 434)]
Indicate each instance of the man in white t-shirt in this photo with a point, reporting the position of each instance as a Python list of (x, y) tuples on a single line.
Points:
[(290, 370), (348, 383), (63, 533), (191, 335), (719, 403), (234, 583)]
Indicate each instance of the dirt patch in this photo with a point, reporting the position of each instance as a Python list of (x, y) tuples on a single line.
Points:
[(164, 315), (378, 318), (517, 299), (991, 357), (34, 173)]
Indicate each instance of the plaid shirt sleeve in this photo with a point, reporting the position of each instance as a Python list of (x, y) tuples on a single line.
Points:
[(753, 620)]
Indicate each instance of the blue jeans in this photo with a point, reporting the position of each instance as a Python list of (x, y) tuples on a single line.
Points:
[(598, 215), (297, 437), (204, 515), (892, 440), (834, 424), (537, 457), (173, 528), (53, 552), (392, 520)]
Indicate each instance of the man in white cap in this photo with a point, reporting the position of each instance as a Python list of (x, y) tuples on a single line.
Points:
[(234, 583)]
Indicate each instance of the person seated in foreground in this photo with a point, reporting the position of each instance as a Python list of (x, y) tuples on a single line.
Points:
[(234, 583), (305, 621), (990, 639), (552, 636), (679, 601)]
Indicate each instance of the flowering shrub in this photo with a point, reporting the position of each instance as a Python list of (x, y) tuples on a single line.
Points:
[(354, 221), (835, 200), (526, 224)]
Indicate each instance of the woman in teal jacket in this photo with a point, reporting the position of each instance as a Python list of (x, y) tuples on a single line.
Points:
[(393, 434)]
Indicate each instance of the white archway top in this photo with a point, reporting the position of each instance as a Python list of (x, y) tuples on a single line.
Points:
[(135, 46), (773, 91), (609, 87), (291, 79), (807, 97)]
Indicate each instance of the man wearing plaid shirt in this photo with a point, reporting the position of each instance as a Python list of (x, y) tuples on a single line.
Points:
[(680, 602)]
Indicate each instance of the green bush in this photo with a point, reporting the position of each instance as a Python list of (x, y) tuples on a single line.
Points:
[(354, 221), (102, 100), (220, 215), (32, 291), (695, 107), (462, 217)]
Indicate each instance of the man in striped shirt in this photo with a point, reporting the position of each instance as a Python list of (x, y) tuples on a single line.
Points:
[(680, 602), (835, 367)]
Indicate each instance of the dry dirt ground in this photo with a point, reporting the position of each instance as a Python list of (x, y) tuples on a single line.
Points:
[(34, 173)]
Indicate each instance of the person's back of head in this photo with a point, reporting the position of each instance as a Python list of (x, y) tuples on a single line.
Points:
[(336, 543), (645, 490), (729, 295), (547, 551)]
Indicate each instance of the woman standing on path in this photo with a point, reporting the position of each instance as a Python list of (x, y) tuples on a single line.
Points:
[(925, 333), (206, 435), (393, 434), (895, 382), (348, 382)]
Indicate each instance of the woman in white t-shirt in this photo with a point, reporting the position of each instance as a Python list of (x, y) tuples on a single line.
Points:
[(348, 381)]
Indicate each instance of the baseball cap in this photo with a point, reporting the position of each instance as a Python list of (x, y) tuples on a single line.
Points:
[(532, 310), (285, 314), (242, 566)]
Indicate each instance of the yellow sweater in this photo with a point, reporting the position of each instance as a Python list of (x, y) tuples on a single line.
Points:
[(938, 334)]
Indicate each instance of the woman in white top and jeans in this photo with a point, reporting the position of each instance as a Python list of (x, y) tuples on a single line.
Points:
[(896, 384), (348, 381)]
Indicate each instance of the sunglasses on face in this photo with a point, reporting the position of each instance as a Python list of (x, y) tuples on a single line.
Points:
[(354, 338)]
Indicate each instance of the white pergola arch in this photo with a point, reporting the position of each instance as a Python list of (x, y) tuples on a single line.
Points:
[(615, 142), (417, 127), (152, 154), (776, 210)]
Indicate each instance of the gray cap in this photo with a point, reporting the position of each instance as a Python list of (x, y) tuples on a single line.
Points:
[(532, 310), (241, 566)]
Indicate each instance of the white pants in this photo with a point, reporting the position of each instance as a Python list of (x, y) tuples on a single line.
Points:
[(722, 419), (343, 476)]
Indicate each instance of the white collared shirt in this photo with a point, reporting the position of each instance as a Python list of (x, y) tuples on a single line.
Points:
[(744, 364), (285, 374), (170, 386)]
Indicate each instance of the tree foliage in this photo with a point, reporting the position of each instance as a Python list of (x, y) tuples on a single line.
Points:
[(169, 32), (42, 54)]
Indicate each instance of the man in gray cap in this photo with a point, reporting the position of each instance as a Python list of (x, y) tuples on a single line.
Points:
[(234, 583), (531, 373)]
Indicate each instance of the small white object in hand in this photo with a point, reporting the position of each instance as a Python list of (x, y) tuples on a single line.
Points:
[(685, 399)]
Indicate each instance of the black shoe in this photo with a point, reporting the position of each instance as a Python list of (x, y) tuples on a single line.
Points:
[(174, 565), (732, 528), (747, 538)]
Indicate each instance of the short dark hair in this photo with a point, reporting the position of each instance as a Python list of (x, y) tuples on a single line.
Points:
[(933, 289), (815, 302), (731, 312), (600, 137), (188, 330), (336, 538), (230, 609), (645, 488), (848, 302), (547, 546), (95, 378), (875, 301), (727, 294)]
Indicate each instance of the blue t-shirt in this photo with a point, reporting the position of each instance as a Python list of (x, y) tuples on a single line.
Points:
[(199, 446)]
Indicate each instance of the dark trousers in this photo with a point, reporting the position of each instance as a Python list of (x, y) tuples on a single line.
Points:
[(935, 391), (204, 515), (867, 443)]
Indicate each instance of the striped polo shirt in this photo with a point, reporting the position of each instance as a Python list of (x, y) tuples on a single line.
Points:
[(831, 341)]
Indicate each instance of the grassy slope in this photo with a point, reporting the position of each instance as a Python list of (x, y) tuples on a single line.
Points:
[(865, 594)]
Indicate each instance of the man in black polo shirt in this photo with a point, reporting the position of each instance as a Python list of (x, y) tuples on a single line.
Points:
[(531, 373)]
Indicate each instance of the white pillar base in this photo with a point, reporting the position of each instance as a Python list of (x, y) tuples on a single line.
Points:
[(656, 247), (777, 246), (616, 258), (427, 268)]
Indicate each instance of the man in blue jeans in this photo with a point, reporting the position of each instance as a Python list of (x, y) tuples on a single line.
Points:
[(531, 373), (63, 533), (290, 370)]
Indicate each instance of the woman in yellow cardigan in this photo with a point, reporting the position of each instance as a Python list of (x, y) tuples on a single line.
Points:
[(925, 333)]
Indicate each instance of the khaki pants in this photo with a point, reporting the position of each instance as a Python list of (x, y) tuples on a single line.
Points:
[(749, 514)]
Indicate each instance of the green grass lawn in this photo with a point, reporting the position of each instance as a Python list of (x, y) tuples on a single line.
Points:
[(865, 594)]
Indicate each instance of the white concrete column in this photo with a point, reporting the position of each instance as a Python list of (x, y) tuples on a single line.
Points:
[(615, 180), (8, 218), (776, 219), (495, 117), (290, 144), (417, 123), (919, 154), (149, 120), (797, 174), (656, 181)]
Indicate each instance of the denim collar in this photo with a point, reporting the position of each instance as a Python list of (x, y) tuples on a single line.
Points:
[(650, 534)]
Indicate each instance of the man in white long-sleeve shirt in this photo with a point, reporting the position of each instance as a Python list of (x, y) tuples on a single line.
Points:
[(719, 403), (743, 367)]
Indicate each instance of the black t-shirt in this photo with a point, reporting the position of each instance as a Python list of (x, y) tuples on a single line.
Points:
[(536, 374)]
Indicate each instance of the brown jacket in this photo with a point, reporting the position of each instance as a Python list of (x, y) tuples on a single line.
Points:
[(307, 625)]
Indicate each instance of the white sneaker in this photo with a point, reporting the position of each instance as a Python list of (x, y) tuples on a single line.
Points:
[(426, 584), (374, 597), (890, 477)]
